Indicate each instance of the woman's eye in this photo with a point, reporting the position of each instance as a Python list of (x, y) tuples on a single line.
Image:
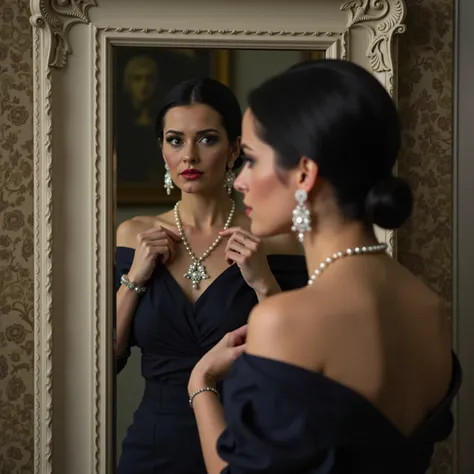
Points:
[(173, 141), (209, 140), (247, 160)]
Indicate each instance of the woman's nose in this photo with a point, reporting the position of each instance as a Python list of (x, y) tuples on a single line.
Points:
[(190, 154), (239, 183)]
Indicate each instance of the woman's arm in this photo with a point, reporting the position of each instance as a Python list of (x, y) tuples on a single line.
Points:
[(265, 329), (126, 299), (284, 244), (270, 335), (206, 405), (267, 287), (152, 243), (250, 254), (211, 424)]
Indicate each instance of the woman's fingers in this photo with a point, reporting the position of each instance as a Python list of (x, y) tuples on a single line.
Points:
[(159, 232), (233, 257), (239, 248), (239, 335), (155, 247), (232, 231)]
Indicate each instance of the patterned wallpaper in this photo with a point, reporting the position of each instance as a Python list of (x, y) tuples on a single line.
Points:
[(425, 102), (424, 244), (16, 239)]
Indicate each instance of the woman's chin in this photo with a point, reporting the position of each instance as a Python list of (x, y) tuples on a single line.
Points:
[(260, 230), (198, 187), (193, 188), (266, 230)]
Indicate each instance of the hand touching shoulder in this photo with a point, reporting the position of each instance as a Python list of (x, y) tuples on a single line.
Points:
[(128, 230), (152, 241)]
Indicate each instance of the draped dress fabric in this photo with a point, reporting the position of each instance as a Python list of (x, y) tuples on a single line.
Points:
[(173, 334), (283, 419)]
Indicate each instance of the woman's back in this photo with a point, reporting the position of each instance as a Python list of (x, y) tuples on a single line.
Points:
[(354, 373), (372, 326)]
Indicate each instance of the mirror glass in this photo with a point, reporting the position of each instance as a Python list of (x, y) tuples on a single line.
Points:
[(141, 78)]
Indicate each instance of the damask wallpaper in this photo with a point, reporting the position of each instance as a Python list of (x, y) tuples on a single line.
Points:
[(425, 93), (16, 239), (425, 102)]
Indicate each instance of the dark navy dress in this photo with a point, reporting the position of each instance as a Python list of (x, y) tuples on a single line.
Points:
[(173, 334), (283, 419)]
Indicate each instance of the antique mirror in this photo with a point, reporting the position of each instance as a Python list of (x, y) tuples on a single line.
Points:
[(141, 76), (85, 53)]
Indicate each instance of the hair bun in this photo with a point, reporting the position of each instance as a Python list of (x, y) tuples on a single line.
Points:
[(389, 203)]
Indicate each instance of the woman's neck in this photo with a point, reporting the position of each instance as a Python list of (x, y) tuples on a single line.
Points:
[(204, 212), (326, 241)]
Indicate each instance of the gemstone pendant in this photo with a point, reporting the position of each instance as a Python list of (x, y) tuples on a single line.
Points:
[(196, 273)]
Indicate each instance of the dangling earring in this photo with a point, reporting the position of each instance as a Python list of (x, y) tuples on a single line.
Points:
[(229, 177), (168, 181), (301, 215)]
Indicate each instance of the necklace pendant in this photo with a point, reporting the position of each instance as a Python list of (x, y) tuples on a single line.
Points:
[(196, 273)]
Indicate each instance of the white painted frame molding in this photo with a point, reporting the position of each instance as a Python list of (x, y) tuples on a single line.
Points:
[(73, 205)]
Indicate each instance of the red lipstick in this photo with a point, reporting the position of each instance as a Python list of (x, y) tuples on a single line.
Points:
[(191, 174)]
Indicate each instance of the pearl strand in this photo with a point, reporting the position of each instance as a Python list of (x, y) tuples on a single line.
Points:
[(346, 253), (197, 271), (216, 242)]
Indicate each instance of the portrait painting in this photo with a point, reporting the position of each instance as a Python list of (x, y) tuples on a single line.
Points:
[(142, 77)]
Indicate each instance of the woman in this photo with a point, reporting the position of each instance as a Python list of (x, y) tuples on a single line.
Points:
[(187, 277), (353, 373)]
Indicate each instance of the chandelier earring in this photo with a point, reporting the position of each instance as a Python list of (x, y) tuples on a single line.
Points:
[(168, 181), (301, 215), (229, 177)]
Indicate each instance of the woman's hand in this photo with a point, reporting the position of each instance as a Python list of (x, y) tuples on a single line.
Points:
[(215, 364), (155, 244), (245, 249)]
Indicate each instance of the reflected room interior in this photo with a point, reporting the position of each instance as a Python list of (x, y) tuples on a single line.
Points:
[(141, 78)]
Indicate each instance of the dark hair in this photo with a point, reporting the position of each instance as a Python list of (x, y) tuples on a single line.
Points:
[(340, 116), (209, 92)]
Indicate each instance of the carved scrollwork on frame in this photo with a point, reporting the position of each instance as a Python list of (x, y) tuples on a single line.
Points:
[(382, 19), (59, 16)]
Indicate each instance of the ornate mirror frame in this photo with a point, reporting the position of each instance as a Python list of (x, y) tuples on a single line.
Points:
[(73, 175)]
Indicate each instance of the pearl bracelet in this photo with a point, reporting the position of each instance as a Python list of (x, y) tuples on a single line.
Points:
[(202, 390), (131, 286)]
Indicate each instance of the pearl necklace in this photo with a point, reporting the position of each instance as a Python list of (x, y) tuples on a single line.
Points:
[(197, 271), (348, 252)]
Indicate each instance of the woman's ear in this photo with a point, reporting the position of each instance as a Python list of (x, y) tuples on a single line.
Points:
[(307, 174), (235, 148)]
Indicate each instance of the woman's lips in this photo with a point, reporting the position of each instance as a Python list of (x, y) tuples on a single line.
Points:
[(191, 175), (248, 210)]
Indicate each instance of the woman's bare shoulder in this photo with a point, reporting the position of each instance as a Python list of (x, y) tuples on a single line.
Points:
[(128, 231), (289, 327)]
